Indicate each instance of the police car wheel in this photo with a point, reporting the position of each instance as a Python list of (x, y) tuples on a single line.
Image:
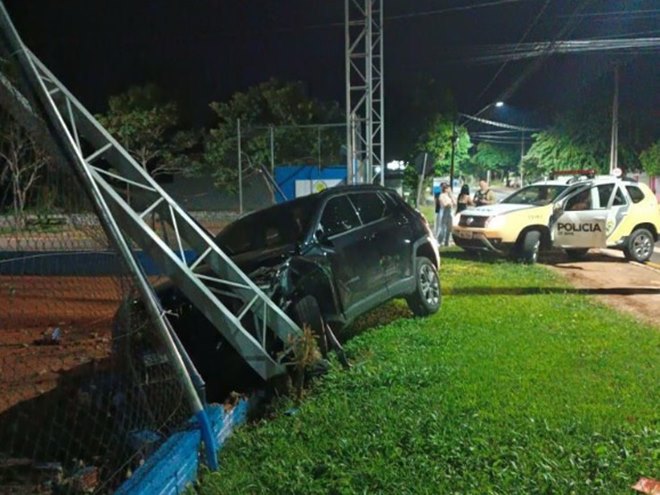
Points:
[(530, 247), (640, 246)]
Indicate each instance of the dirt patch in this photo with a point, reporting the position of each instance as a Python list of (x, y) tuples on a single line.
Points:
[(31, 308), (628, 287)]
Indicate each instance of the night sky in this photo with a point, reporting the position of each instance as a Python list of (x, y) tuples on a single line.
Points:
[(201, 51)]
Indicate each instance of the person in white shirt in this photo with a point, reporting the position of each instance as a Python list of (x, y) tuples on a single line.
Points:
[(447, 203)]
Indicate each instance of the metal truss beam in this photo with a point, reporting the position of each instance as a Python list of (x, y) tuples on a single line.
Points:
[(365, 96), (128, 196)]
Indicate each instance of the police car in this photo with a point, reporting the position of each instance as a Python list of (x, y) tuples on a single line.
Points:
[(575, 215)]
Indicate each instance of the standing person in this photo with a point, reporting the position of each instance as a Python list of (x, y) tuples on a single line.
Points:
[(464, 200), (436, 223), (447, 202), (484, 196)]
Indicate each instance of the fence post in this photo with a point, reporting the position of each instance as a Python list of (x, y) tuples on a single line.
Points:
[(271, 131), (240, 168)]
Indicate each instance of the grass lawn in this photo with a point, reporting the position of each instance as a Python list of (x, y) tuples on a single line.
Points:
[(517, 385)]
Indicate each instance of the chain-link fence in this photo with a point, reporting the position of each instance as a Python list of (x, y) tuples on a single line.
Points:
[(87, 391), (259, 149)]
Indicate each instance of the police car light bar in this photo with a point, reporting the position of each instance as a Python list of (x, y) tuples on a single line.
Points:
[(589, 173)]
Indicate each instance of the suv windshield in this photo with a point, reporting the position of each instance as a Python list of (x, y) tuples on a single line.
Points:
[(274, 227), (538, 195)]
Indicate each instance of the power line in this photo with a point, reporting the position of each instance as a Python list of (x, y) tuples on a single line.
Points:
[(309, 27), (494, 123), (460, 8), (497, 141), (524, 36), (566, 30), (618, 13), (530, 50)]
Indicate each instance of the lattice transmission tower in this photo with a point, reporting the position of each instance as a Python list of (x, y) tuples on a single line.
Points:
[(365, 102)]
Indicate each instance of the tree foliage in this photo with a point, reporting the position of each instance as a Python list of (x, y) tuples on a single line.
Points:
[(581, 139), (22, 164), (282, 105), (413, 107), (650, 159), (149, 127), (573, 142), (438, 141), (495, 157)]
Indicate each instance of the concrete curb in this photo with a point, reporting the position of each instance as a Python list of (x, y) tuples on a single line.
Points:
[(649, 265)]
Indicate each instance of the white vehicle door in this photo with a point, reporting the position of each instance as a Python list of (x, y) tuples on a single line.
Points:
[(579, 220), (617, 209)]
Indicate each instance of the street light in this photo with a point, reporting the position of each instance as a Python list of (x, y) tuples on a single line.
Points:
[(498, 104), (454, 139)]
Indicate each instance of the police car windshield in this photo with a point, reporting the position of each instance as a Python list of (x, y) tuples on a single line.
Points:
[(538, 195)]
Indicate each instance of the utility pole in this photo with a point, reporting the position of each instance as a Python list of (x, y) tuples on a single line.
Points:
[(420, 181), (614, 147), (522, 154), (454, 138), (240, 168)]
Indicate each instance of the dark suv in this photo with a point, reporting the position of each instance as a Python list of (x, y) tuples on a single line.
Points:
[(350, 248), (323, 259)]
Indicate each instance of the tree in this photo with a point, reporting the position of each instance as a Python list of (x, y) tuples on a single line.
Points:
[(650, 159), (496, 158), (271, 103), (569, 145), (149, 128), (413, 104), (580, 138), (437, 141), (22, 163)]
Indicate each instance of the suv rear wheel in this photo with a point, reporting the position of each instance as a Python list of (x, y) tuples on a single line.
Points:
[(426, 299), (640, 246)]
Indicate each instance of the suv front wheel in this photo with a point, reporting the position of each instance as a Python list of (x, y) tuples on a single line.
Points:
[(307, 312), (426, 299), (640, 246), (529, 250)]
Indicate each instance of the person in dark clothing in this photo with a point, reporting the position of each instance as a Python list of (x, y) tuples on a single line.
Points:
[(464, 200), (484, 196)]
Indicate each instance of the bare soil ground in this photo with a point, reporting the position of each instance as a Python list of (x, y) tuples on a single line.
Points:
[(629, 287), (31, 308)]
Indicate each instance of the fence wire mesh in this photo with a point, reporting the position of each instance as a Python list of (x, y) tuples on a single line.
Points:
[(87, 392)]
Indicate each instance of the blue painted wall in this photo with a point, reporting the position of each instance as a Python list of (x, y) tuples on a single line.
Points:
[(287, 175), (72, 263), (175, 465)]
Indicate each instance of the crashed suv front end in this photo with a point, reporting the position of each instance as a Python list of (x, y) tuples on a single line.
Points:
[(324, 260)]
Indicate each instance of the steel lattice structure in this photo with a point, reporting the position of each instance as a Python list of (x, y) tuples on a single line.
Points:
[(365, 102), (110, 172)]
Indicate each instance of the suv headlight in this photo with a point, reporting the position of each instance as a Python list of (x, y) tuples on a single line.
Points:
[(495, 222)]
